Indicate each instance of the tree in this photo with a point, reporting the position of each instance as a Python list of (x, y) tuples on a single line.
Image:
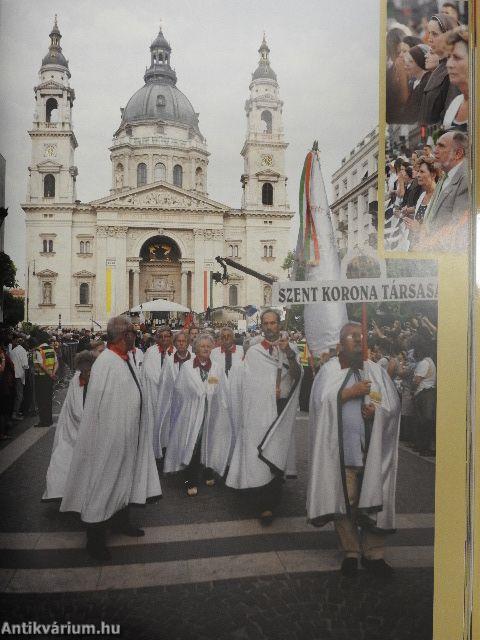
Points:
[(7, 279), (13, 309)]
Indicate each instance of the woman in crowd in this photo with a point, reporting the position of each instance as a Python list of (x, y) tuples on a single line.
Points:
[(424, 383), (67, 427), (427, 176), (438, 92), (7, 389), (396, 80), (415, 65), (456, 116)]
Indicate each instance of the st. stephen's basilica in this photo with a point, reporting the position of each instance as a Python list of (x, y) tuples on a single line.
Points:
[(156, 234)]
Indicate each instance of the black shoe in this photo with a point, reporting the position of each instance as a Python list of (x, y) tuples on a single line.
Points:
[(349, 567), (266, 518), (98, 552), (379, 568)]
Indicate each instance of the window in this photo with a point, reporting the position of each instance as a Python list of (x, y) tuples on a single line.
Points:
[(230, 250), (235, 251), (51, 109), (47, 293), (267, 295), (199, 179), (47, 246), (270, 251), (266, 122), (141, 174), (177, 175), (50, 246), (265, 251), (87, 247), (49, 186), (160, 172), (161, 102), (233, 295), (82, 247), (267, 194), (84, 293)]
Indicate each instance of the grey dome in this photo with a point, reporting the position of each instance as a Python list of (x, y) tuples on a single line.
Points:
[(155, 101), (264, 71), (55, 57)]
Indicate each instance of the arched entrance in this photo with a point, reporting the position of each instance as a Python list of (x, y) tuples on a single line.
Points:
[(160, 270)]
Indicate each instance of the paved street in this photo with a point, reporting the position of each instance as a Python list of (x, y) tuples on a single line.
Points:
[(205, 568)]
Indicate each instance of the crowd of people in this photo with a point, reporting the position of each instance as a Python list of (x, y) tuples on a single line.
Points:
[(427, 197), (215, 406), (427, 71)]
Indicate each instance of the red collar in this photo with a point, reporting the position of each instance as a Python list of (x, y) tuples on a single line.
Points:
[(268, 346), (121, 354), (162, 350), (177, 358), (232, 349), (205, 367)]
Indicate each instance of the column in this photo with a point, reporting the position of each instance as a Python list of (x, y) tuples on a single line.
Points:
[(197, 280), (184, 290), (99, 312), (136, 286), (120, 269)]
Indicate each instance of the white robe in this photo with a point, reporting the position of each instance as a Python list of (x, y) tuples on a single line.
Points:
[(65, 438), (326, 497), (157, 410), (265, 442), (136, 357), (198, 407), (232, 388), (113, 462)]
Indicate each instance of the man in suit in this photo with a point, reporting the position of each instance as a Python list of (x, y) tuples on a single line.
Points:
[(447, 214)]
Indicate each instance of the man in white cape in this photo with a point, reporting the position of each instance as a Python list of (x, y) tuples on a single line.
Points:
[(354, 427), (113, 463), (157, 411), (170, 370), (264, 450), (230, 357), (66, 431), (200, 429)]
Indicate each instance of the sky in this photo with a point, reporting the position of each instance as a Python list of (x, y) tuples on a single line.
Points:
[(325, 55)]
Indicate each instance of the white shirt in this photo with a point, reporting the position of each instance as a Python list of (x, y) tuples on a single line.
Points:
[(426, 370), (451, 112), (20, 361)]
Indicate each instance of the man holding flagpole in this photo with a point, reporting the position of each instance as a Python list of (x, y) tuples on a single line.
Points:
[(354, 428)]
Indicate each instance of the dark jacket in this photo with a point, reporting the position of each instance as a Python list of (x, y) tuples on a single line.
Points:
[(411, 109), (437, 95)]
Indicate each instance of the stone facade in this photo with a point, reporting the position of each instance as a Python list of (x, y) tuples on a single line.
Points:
[(354, 187), (157, 233)]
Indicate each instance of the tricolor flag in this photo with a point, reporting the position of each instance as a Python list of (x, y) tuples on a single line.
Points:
[(317, 252)]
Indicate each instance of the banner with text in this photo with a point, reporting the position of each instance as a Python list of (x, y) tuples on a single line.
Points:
[(355, 290)]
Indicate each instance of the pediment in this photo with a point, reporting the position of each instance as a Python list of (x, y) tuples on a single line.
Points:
[(50, 84), (160, 195), (83, 274), (48, 165), (267, 173), (47, 273)]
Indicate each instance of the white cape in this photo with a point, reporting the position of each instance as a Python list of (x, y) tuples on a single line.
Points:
[(113, 462), (326, 494), (156, 407), (198, 406), (264, 445), (65, 438)]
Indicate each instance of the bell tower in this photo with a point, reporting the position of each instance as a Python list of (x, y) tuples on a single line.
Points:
[(52, 171), (263, 180)]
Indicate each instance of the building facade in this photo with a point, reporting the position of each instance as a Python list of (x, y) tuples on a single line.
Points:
[(157, 232), (354, 187)]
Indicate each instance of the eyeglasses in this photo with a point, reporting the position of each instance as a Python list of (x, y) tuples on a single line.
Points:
[(354, 336)]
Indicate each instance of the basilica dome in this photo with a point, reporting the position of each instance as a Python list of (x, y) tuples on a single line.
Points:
[(160, 99)]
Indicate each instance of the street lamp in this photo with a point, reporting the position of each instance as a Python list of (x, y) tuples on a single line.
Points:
[(28, 286)]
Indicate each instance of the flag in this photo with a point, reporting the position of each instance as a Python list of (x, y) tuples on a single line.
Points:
[(317, 254)]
